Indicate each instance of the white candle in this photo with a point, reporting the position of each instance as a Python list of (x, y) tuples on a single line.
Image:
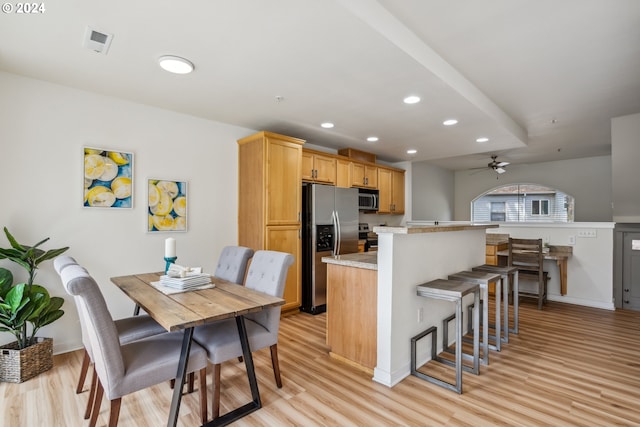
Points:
[(170, 248)]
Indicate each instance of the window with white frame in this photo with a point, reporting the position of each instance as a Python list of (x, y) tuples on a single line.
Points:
[(540, 207)]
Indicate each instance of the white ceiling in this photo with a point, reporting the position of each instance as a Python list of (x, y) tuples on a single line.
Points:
[(506, 69)]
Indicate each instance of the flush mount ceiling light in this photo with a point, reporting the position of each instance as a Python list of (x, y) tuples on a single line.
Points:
[(450, 122), (372, 139), (411, 99), (412, 151), (482, 139), (327, 125), (175, 64)]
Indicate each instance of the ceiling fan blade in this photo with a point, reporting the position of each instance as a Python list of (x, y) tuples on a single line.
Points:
[(501, 164), (500, 170)]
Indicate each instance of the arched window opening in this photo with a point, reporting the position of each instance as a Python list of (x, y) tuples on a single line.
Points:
[(523, 203)]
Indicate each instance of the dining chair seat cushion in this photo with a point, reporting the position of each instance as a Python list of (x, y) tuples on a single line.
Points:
[(220, 339), (154, 360), (137, 327)]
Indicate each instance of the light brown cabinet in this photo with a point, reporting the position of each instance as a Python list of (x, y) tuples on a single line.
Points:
[(317, 167), (391, 189), (343, 173), (363, 175), (491, 253), (269, 201)]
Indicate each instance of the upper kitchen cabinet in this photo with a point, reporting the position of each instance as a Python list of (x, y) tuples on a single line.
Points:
[(270, 200), (391, 189), (343, 173), (363, 175), (318, 167)]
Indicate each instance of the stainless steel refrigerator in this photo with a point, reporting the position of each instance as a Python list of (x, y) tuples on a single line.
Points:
[(329, 227)]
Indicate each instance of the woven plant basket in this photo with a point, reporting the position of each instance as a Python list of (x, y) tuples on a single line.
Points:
[(17, 366)]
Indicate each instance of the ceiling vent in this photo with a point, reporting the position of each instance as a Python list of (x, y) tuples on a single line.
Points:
[(97, 41)]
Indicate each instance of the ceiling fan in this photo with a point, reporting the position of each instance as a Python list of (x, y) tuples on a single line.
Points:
[(497, 166)]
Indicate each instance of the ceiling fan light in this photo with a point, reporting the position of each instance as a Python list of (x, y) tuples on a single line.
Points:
[(175, 64)]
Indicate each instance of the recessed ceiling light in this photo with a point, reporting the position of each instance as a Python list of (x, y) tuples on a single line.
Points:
[(482, 139), (372, 139), (412, 151), (175, 64), (411, 99), (327, 125), (450, 122)]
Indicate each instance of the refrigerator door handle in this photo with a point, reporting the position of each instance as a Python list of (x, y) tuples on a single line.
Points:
[(338, 232), (335, 233)]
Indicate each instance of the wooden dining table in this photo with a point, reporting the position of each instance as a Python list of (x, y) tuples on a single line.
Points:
[(560, 257), (186, 310)]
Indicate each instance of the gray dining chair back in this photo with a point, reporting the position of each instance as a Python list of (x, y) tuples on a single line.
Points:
[(124, 369), (232, 263), (267, 273)]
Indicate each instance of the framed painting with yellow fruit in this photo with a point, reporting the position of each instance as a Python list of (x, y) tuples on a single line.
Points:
[(108, 178), (167, 205)]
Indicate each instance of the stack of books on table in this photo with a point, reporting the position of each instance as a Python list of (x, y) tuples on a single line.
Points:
[(190, 280)]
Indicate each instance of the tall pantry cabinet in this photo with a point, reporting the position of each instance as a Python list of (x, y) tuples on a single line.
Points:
[(270, 200)]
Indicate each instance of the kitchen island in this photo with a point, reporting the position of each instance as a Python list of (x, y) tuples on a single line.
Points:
[(352, 305), (406, 257)]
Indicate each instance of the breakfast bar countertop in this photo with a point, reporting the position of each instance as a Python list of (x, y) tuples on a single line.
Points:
[(367, 260), (433, 228)]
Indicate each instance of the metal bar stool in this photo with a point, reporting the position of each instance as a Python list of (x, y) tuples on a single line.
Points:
[(506, 272), (483, 279), (454, 291)]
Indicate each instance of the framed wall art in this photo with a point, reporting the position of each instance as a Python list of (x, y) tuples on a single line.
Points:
[(108, 178), (167, 205)]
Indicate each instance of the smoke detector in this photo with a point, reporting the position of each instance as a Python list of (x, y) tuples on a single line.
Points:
[(98, 41)]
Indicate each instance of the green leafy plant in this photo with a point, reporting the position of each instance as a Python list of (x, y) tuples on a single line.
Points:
[(25, 304)]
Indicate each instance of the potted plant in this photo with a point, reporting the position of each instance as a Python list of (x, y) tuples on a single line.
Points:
[(24, 309)]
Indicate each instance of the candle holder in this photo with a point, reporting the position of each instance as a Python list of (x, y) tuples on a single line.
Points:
[(168, 262)]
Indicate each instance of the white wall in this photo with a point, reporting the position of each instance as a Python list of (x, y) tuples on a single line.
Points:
[(588, 180), (590, 268), (432, 193), (625, 155), (43, 128)]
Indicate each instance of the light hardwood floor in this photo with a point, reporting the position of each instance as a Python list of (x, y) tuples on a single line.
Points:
[(569, 366)]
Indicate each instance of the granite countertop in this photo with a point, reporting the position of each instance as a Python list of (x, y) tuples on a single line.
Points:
[(416, 229), (367, 260)]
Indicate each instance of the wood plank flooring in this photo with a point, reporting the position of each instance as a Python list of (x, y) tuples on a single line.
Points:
[(570, 366)]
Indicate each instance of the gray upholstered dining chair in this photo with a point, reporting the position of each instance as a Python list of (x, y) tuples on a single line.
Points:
[(232, 263), (126, 368), (267, 273), (129, 329)]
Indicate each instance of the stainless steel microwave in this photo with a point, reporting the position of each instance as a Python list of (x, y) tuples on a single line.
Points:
[(368, 200)]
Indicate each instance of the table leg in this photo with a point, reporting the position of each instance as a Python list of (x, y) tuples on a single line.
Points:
[(256, 403), (180, 377), (562, 266)]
